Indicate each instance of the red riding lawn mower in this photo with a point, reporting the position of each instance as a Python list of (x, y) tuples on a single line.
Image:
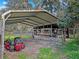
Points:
[(14, 45)]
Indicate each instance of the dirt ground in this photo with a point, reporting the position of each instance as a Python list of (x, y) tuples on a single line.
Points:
[(32, 49)]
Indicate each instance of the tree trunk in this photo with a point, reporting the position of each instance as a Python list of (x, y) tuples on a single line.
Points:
[(64, 36), (67, 33)]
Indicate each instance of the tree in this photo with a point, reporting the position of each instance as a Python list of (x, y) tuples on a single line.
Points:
[(71, 14), (51, 6), (73, 10), (18, 4)]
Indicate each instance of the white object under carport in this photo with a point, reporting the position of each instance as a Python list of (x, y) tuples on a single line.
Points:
[(29, 17)]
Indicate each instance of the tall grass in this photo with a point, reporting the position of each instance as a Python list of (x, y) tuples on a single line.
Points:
[(71, 49)]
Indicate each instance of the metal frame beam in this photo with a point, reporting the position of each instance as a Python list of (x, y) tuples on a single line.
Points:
[(18, 22), (21, 21), (31, 16), (26, 18), (8, 22)]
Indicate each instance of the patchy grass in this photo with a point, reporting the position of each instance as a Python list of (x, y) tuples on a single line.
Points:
[(46, 53), (26, 36), (21, 56), (5, 57), (11, 37), (73, 55)]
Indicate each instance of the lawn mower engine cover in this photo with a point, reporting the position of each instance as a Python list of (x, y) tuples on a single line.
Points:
[(17, 44)]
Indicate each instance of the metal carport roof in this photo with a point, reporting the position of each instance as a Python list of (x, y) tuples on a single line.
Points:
[(29, 17)]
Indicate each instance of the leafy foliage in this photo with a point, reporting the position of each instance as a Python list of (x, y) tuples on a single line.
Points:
[(73, 9), (71, 49), (71, 14), (65, 22)]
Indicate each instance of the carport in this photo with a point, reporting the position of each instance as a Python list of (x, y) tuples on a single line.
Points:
[(32, 18)]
